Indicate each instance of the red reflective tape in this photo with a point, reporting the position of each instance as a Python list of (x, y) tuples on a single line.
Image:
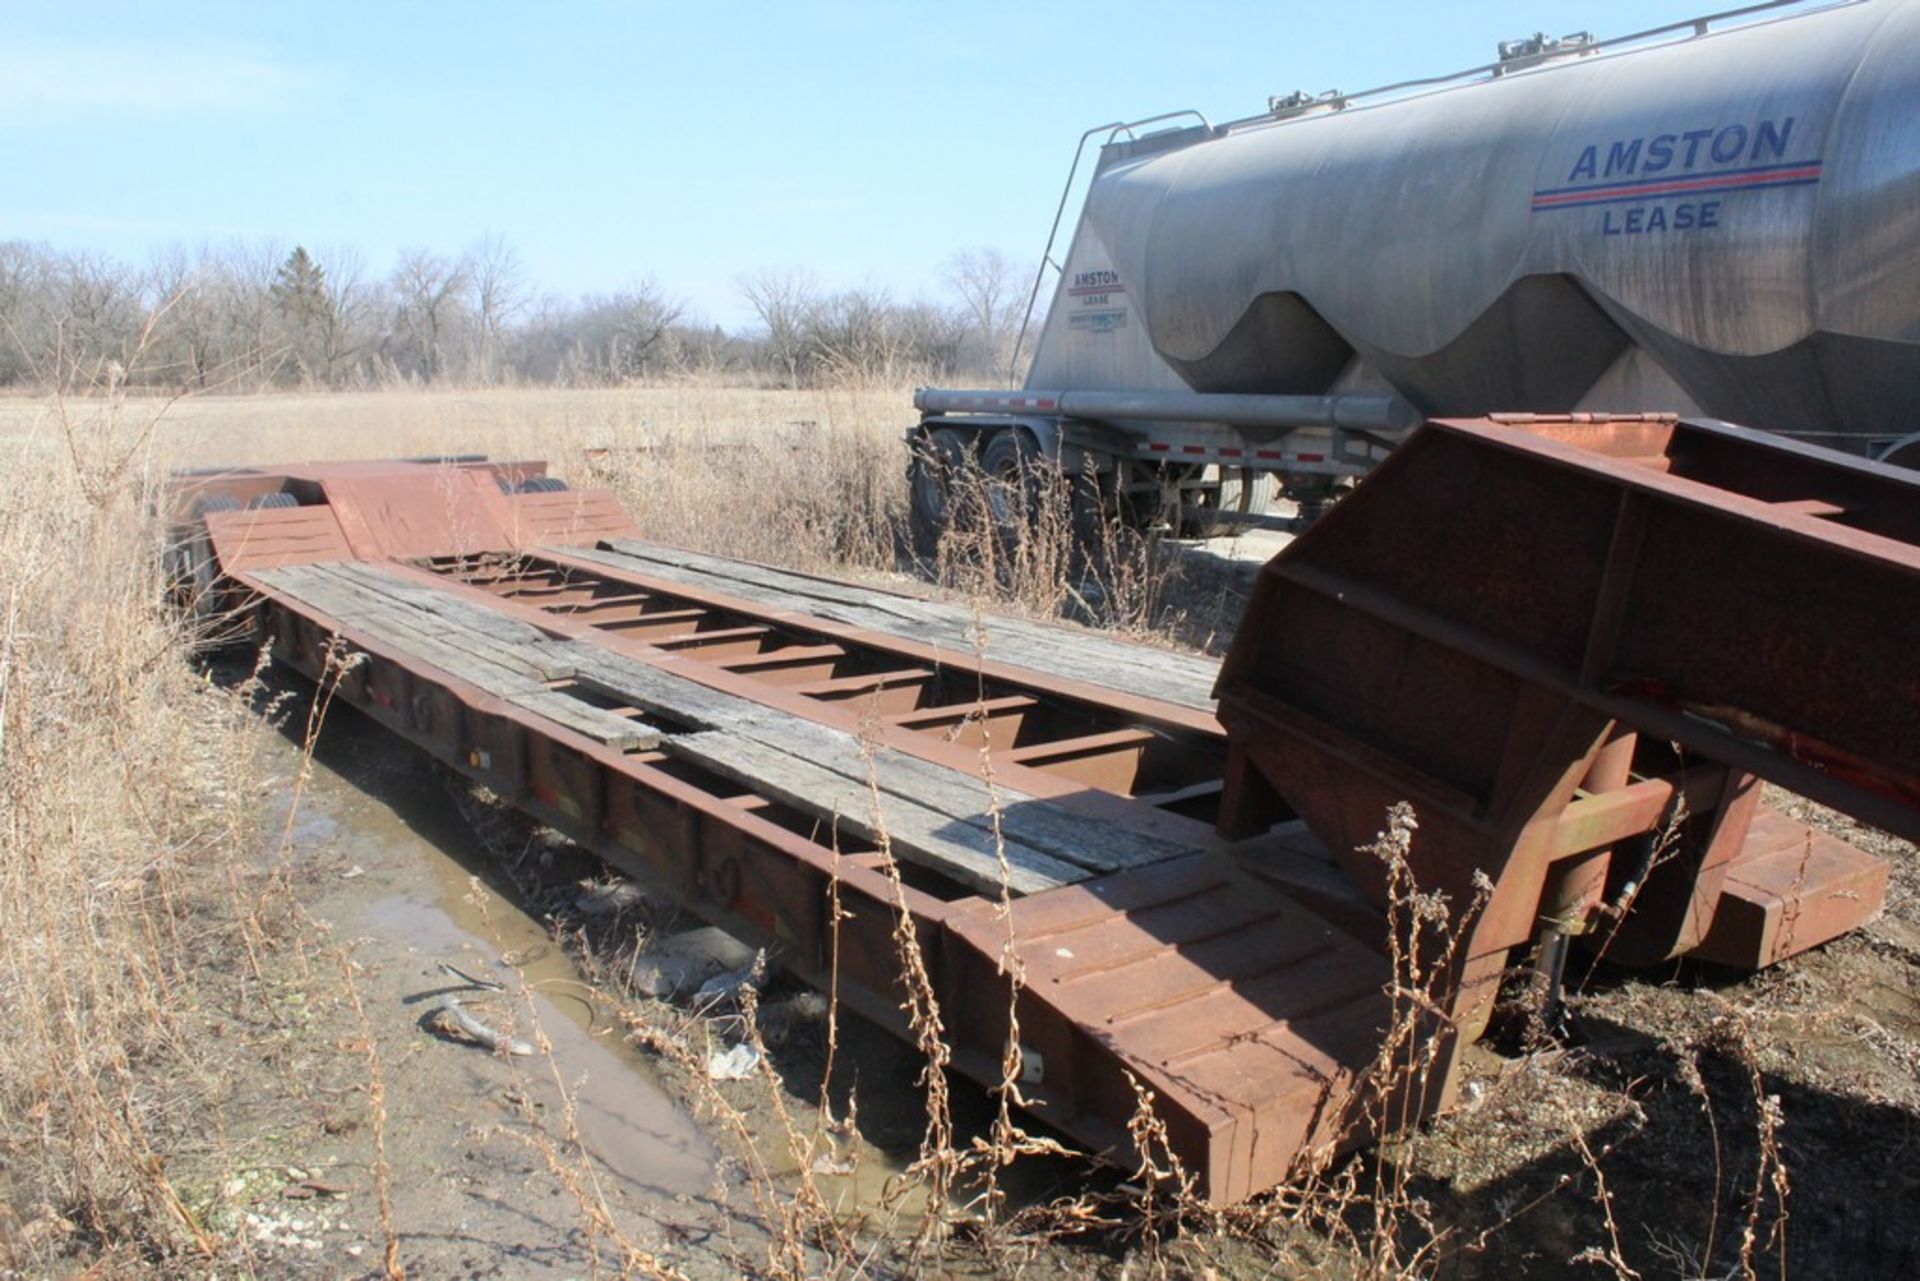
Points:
[(1268, 453), (1230, 453), (1158, 446), (1311, 458), (1193, 449)]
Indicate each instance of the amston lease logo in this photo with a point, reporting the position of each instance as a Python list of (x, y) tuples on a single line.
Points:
[(1678, 181)]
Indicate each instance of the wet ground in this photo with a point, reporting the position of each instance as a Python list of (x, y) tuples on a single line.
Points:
[(536, 1164), (500, 1163)]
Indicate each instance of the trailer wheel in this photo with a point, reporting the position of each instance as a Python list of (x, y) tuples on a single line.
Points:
[(938, 456), (541, 485), (273, 502), (1012, 466), (1243, 492), (178, 559)]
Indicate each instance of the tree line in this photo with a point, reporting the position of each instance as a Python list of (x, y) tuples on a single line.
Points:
[(255, 316)]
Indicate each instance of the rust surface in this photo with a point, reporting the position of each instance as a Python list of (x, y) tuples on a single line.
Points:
[(1478, 631), (1480, 626)]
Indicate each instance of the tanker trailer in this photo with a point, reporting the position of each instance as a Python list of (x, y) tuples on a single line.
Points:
[(1720, 218)]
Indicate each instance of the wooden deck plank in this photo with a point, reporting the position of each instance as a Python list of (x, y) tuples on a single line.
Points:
[(368, 602), (518, 683), (1059, 650), (915, 833), (1090, 842), (935, 815), (438, 601), (330, 597), (597, 723)]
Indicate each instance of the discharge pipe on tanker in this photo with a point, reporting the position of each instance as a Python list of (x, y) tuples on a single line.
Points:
[(1356, 412)]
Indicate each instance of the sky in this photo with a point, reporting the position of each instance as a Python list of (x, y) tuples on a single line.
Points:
[(683, 143)]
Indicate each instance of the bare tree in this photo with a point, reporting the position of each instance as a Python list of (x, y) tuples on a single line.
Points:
[(855, 337), (498, 295), (630, 333), (243, 273), (783, 299), (27, 286), (989, 290), (240, 313), (351, 301), (430, 295), (97, 315)]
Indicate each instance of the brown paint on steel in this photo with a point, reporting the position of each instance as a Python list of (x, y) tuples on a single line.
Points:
[(276, 536), (1475, 630), (734, 865)]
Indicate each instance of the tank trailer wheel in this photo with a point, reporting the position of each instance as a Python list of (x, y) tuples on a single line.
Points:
[(1016, 474), (1242, 491), (272, 502), (1313, 496), (937, 458), (541, 485)]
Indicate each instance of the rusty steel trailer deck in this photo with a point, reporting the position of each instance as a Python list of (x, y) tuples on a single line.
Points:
[(821, 766)]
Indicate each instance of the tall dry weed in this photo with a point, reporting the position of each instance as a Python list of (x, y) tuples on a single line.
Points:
[(128, 795)]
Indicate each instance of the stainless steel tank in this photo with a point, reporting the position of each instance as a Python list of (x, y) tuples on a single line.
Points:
[(1728, 223)]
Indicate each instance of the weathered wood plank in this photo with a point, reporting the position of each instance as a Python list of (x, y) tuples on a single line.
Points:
[(439, 601), (658, 693), (327, 595), (1090, 842), (1128, 667), (914, 833), (458, 622), (597, 723), (934, 814), (1077, 838), (516, 684), (344, 598)]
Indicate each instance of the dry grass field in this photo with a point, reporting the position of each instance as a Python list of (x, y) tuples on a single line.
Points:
[(697, 463), (156, 960)]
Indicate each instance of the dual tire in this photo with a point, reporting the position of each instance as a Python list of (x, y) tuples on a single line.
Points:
[(1004, 487)]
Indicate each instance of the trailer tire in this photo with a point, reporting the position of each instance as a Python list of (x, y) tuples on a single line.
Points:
[(541, 485), (1243, 492), (1012, 466), (1249, 492), (177, 561), (938, 456), (273, 502)]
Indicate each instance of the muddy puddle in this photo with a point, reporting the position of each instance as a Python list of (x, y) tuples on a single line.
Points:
[(497, 1159), (387, 848), (425, 912)]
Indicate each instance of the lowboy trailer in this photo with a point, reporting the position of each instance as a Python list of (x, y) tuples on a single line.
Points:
[(1574, 650)]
